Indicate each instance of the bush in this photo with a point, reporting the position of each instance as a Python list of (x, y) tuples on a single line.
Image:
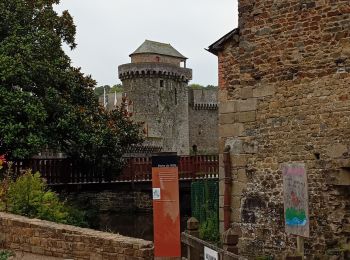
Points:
[(208, 230), (4, 254), (205, 207), (29, 196)]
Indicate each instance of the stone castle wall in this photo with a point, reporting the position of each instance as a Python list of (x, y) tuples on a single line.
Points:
[(174, 115), (51, 239), (203, 130), (203, 120), (285, 97), (202, 115)]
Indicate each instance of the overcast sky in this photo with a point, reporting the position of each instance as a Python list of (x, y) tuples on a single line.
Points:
[(109, 30)]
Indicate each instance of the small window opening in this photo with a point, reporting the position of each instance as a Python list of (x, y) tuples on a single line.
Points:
[(317, 156), (175, 97), (157, 59), (194, 149), (161, 83)]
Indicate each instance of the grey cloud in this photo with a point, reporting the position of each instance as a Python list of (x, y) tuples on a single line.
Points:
[(109, 30)]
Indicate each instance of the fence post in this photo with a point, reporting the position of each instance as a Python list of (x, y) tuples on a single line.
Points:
[(230, 241), (227, 188), (193, 230)]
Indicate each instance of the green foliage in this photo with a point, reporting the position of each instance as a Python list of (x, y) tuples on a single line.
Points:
[(77, 217), (198, 86), (45, 102), (195, 86), (100, 90), (115, 88), (29, 196), (211, 87), (205, 208), (5, 254), (22, 123), (208, 230)]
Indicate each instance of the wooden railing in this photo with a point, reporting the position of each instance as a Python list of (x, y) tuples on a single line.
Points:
[(193, 246), (61, 171)]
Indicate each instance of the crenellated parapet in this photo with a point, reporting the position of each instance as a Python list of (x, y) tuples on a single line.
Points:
[(203, 99), (163, 70), (205, 106)]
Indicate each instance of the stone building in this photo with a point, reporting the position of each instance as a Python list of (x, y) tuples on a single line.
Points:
[(175, 118), (284, 96)]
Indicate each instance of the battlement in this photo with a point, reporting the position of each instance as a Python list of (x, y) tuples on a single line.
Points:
[(203, 99), (143, 70), (205, 106)]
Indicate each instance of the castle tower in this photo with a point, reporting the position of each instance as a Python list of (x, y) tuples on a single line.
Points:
[(158, 86)]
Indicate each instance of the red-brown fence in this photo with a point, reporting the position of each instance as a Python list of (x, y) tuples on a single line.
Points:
[(61, 171)]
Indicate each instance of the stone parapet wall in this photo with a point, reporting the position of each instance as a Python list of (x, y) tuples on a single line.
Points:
[(51, 239), (147, 69), (203, 97)]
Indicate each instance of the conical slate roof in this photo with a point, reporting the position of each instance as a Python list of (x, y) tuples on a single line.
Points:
[(158, 48)]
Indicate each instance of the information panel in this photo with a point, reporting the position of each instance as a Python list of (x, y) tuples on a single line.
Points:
[(166, 210), (295, 191), (210, 254)]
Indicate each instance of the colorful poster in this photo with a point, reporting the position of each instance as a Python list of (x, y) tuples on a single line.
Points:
[(296, 200)]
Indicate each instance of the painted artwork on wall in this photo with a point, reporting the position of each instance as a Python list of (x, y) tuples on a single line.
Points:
[(295, 190)]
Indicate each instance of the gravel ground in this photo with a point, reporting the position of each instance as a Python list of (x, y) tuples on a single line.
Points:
[(27, 256)]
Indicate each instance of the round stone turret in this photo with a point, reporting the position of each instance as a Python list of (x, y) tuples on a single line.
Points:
[(157, 85)]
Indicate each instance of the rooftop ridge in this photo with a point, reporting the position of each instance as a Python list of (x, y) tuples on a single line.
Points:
[(160, 48)]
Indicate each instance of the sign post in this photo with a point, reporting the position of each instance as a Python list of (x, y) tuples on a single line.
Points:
[(296, 200), (166, 209)]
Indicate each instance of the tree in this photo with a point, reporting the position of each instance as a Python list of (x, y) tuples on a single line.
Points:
[(211, 87), (198, 86), (117, 88), (195, 86), (100, 90), (44, 101), (108, 89)]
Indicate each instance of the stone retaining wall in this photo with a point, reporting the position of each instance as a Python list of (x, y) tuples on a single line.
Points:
[(112, 201), (51, 239)]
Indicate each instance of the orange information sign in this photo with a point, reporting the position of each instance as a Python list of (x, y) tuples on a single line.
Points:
[(166, 210)]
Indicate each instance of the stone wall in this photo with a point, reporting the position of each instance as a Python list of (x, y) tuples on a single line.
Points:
[(284, 97), (203, 126), (50, 239), (112, 201), (203, 120)]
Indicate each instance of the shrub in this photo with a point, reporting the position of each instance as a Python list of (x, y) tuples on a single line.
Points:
[(208, 230), (4, 254), (205, 206), (29, 196)]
